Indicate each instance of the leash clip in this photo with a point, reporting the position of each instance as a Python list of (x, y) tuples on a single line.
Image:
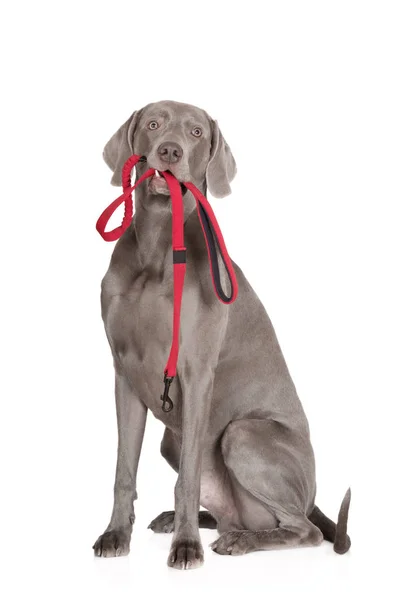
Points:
[(167, 404)]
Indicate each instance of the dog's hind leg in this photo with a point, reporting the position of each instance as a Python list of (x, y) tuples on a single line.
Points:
[(303, 533), (164, 523), (274, 494)]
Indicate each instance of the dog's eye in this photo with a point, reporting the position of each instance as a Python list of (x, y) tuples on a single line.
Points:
[(197, 132), (153, 125)]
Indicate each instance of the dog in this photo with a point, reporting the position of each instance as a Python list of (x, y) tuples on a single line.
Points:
[(238, 436)]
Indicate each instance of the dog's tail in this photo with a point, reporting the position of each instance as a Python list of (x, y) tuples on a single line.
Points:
[(337, 534)]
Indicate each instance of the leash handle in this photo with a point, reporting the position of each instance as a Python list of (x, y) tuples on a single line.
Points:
[(115, 234), (215, 243)]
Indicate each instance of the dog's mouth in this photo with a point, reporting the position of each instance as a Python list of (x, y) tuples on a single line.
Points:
[(158, 185)]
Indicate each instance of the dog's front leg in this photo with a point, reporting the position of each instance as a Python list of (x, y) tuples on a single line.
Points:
[(186, 549), (131, 419)]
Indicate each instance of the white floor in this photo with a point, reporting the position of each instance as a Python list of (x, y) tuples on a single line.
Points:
[(69, 570), (68, 506)]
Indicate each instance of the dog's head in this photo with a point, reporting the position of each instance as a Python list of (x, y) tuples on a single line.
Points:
[(174, 137)]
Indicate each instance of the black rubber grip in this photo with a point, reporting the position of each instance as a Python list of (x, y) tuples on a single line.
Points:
[(213, 244), (178, 256)]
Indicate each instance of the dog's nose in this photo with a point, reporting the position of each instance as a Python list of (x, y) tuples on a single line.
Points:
[(170, 152)]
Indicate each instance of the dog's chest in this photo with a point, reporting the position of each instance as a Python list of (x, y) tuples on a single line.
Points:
[(139, 322), (139, 328)]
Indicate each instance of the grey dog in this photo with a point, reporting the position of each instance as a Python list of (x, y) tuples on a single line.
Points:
[(237, 436)]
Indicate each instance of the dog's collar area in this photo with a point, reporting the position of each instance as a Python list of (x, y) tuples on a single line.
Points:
[(212, 235)]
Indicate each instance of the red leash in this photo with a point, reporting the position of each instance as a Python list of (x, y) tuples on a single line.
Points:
[(213, 238)]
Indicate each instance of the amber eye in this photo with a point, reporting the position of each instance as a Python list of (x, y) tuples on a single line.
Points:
[(153, 125), (197, 132)]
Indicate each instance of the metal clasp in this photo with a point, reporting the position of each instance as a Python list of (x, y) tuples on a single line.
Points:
[(167, 404)]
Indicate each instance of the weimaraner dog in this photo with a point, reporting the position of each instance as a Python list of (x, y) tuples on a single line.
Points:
[(237, 435)]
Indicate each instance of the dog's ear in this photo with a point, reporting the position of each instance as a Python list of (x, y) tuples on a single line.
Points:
[(120, 147), (221, 167)]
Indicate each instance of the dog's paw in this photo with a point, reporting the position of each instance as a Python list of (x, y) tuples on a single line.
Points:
[(186, 554), (234, 543), (113, 543), (164, 523)]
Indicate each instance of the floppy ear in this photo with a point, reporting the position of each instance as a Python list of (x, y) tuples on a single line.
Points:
[(120, 147), (221, 168)]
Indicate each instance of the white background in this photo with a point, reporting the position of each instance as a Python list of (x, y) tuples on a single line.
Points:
[(307, 96)]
